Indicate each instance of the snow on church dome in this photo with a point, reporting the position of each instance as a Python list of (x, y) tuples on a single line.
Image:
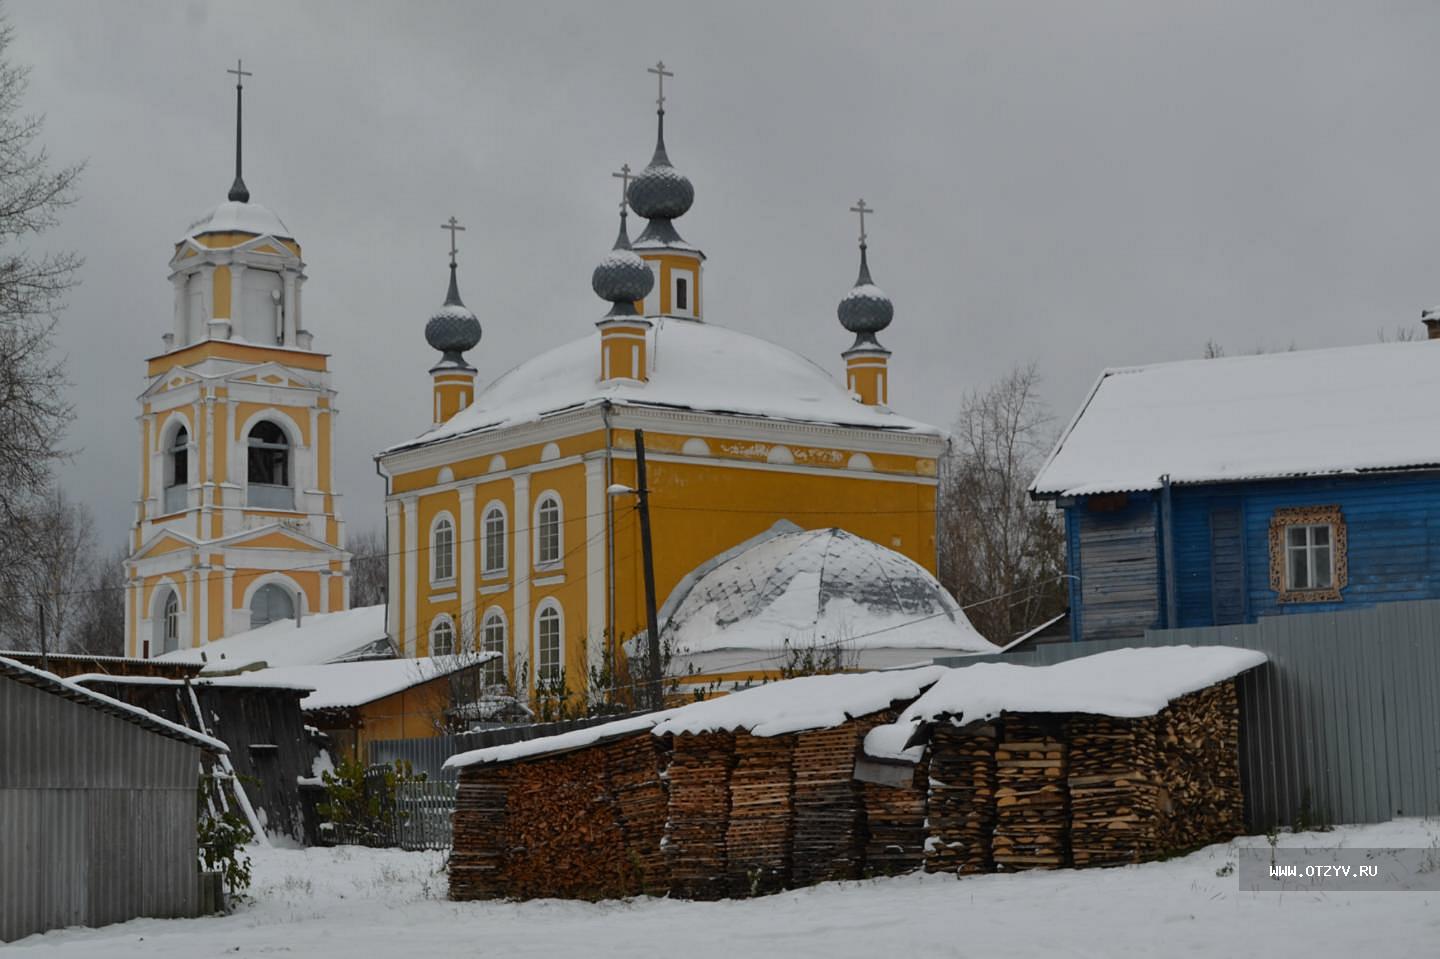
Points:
[(697, 366), (233, 216), (821, 588)]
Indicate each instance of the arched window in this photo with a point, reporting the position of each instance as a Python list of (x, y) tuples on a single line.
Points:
[(492, 537), (442, 637), (547, 530), (268, 467), (170, 624), (442, 550), (270, 604), (177, 480), (548, 644), (492, 640)]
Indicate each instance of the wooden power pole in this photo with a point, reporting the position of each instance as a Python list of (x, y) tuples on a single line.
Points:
[(642, 494)]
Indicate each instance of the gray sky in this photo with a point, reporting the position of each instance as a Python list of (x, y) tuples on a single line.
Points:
[(1078, 185)]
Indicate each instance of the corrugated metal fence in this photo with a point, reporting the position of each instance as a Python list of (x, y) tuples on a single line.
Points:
[(1344, 720), (428, 755)]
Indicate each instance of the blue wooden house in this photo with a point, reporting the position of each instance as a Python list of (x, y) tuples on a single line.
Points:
[(1218, 491)]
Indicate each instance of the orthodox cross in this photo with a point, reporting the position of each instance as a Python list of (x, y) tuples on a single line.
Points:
[(454, 227), (624, 177), (240, 73), (862, 209), (660, 74), (238, 190)]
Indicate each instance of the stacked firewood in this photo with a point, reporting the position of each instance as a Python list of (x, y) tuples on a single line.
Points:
[(1032, 818), (962, 799), (1117, 798), (829, 807), (698, 813), (758, 840), (895, 823), (481, 834), (635, 767), (1201, 738), (565, 836)]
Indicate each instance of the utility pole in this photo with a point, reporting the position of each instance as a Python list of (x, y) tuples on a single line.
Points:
[(44, 641), (642, 503)]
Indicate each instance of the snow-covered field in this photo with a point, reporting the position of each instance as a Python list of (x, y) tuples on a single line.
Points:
[(351, 903)]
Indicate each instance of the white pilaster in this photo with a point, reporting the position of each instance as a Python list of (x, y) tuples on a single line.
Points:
[(465, 546), (520, 530), (237, 319), (393, 599), (408, 632), (291, 303), (228, 597), (180, 322), (594, 562), (202, 626)]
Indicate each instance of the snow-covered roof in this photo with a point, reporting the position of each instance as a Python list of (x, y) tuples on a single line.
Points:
[(88, 697), (1307, 413), (822, 588), (343, 685), (233, 217), (694, 366), (1125, 683), (811, 702), (320, 638)]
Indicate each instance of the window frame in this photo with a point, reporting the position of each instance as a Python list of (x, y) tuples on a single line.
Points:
[(443, 621), (558, 560), (486, 570), (436, 578), (494, 671), (263, 495), (556, 614), (1282, 522), (170, 623)]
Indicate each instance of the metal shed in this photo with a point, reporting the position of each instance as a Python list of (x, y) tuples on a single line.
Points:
[(97, 807)]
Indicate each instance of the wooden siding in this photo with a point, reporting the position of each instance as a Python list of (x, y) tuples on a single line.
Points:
[(1119, 566), (1227, 563), (97, 801)]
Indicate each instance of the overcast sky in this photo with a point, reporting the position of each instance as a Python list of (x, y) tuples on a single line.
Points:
[(1076, 184)]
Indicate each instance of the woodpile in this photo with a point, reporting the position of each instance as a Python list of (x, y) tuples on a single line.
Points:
[(962, 799), (1201, 742), (1031, 814), (829, 805), (635, 768), (564, 834), (480, 827), (699, 811), (895, 823), (1116, 794), (758, 841)]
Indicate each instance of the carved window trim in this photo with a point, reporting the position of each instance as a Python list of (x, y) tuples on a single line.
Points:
[(1283, 519)]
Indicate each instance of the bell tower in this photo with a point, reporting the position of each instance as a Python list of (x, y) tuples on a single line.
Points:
[(237, 522)]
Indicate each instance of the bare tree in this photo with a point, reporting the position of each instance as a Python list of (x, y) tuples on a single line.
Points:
[(368, 569), (100, 623), (33, 409), (1001, 553), (51, 573)]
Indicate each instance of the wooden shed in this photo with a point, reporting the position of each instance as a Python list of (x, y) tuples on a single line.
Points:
[(93, 794)]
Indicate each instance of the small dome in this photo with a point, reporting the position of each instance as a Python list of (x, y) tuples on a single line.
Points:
[(622, 277), (453, 328), (233, 216), (661, 191), (866, 309)]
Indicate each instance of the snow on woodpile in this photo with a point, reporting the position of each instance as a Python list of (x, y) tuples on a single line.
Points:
[(697, 366), (1305, 413), (823, 588), (321, 638), (1124, 683)]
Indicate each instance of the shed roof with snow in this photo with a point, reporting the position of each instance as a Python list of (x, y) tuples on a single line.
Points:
[(316, 639)]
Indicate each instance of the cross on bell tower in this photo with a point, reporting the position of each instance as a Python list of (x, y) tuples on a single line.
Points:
[(238, 191)]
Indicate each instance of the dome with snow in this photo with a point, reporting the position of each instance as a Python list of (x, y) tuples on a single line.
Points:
[(233, 216), (866, 309), (453, 328), (622, 278), (821, 589)]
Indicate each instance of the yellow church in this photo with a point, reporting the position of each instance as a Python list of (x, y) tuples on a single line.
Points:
[(510, 523), (237, 522)]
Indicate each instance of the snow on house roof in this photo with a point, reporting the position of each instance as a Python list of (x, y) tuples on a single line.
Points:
[(345, 685), (825, 588), (695, 366), (233, 217), (1125, 683), (1307, 413), (88, 697), (321, 638), (811, 702)]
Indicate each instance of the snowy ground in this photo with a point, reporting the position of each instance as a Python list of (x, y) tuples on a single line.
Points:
[(352, 903)]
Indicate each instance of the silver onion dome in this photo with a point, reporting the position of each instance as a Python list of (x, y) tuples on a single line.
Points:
[(453, 329), (661, 193), (866, 309), (622, 277)]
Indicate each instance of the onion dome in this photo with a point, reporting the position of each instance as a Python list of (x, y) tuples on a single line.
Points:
[(453, 329), (622, 277), (660, 193), (866, 309)]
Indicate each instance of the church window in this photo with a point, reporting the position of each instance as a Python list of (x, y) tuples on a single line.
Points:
[(493, 540), (170, 624), (268, 467), (270, 604), (442, 550), (547, 637), (492, 640), (548, 531), (682, 295), (442, 638), (178, 480)]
